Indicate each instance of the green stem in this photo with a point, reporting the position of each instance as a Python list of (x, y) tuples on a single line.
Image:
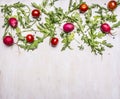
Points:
[(74, 9), (30, 30), (70, 4), (81, 1), (28, 10)]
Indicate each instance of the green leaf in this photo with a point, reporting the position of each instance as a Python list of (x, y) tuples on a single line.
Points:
[(33, 45), (80, 1), (67, 39), (116, 25), (18, 33), (44, 3), (81, 47), (35, 5), (71, 37), (100, 35), (52, 2), (104, 42)]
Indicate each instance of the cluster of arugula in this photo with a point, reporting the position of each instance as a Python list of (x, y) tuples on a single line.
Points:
[(87, 25)]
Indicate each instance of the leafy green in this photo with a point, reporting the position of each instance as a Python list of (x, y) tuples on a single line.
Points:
[(87, 25), (67, 39), (116, 25), (52, 2)]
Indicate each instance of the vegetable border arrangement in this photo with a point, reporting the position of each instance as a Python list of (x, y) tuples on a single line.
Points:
[(85, 24)]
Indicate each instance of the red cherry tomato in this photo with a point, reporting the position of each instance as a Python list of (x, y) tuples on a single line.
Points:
[(54, 41), (35, 13), (30, 38), (112, 5), (83, 7)]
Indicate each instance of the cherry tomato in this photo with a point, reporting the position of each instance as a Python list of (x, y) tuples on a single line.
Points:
[(36, 13), (30, 38), (54, 41), (112, 5), (83, 7)]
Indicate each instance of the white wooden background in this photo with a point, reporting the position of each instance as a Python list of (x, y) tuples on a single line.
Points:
[(48, 73)]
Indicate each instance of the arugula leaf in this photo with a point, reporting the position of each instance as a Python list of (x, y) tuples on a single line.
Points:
[(52, 2), (87, 25), (116, 25), (67, 39)]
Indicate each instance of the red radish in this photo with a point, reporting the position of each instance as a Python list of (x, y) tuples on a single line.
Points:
[(8, 40), (68, 27), (105, 27), (13, 22)]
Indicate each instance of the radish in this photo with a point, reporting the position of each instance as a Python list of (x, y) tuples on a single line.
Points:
[(105, 27), (68, 27), (13, 22), (8, 40)]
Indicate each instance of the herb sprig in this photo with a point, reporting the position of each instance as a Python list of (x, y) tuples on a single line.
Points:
[(87, 25)]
